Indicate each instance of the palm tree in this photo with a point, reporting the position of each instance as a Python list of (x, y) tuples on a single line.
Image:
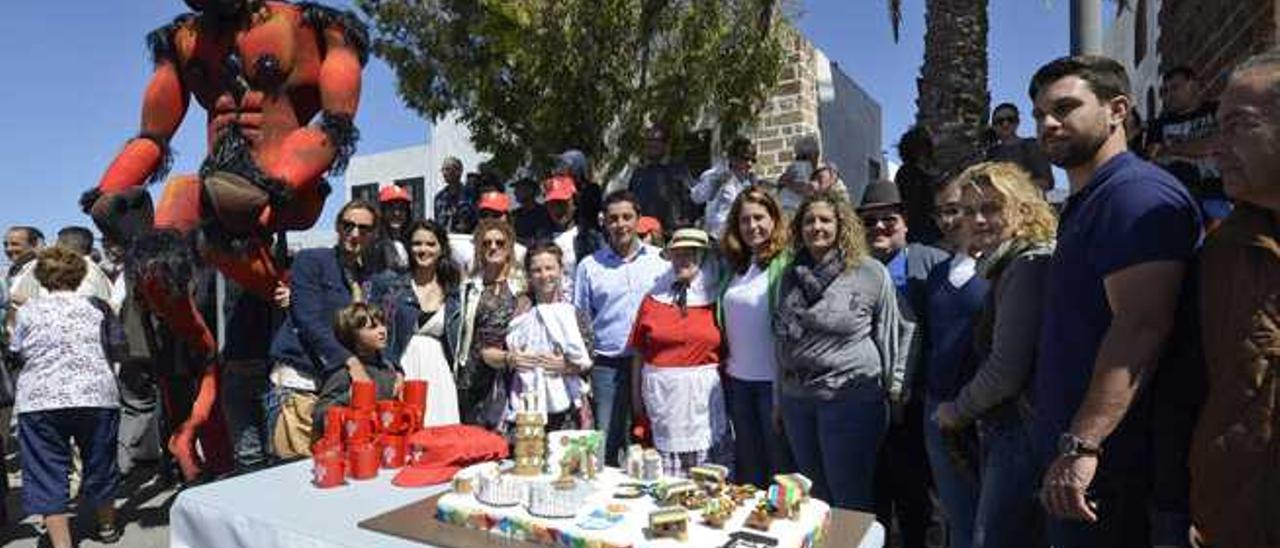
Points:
[(952, 98)]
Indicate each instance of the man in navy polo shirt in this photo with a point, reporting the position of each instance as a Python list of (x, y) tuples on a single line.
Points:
[(1125, 238)]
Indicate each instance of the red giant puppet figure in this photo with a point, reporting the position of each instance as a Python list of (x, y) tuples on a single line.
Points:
[(262, 70)]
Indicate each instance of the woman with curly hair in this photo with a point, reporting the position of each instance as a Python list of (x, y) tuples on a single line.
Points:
[(840, 358), (1010, 222)]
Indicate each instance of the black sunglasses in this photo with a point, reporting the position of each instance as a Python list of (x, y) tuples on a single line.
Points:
[(348, 227), (1005, 120)]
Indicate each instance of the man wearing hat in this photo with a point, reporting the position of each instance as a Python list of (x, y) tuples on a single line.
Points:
[(454, 207), (530, 218), (901, 488), (395, 203)]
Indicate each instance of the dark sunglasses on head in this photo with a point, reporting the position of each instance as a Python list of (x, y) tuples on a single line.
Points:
[(348, 227)]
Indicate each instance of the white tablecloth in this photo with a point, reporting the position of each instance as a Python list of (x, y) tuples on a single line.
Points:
[(279, 507)]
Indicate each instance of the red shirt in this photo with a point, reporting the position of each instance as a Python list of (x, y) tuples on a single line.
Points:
[(664, 338)]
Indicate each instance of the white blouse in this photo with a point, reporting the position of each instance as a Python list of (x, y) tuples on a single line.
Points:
[(64, 365)]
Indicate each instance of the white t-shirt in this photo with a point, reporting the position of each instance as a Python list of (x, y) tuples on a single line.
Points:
[(748, 326)]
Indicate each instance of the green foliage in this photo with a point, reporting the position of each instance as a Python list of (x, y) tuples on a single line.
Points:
[(531, 78)]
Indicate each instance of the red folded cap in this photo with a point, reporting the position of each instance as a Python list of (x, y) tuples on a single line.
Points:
[(494, 201), (436, 453), (560, 187), (393, 193)]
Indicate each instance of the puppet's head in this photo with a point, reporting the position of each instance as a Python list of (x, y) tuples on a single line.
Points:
[(219, 8)]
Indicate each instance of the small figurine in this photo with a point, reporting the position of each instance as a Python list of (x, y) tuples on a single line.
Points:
[(742, 493), (674, 493), (710, 477), (787, 494), (717, 511), (759, 518), (652, 465), (669, 523)]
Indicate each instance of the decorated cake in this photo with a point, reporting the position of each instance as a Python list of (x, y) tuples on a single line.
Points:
[(602, 512)]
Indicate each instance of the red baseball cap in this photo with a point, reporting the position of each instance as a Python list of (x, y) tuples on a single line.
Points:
[(436, 453), (495, 201), (646, 224), (560, 187), (393, 193)]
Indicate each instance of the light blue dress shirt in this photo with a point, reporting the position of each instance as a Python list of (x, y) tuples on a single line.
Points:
[(610, 288)]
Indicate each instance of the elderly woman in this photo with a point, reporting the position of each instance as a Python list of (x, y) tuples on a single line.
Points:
[(488, 303), (66, 391), (754, 249), (840, 360), (675, 377), (424, 314), (1007, 219)]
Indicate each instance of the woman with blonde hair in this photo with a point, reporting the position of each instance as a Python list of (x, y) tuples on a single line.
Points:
[(488, 301), (1011, 224), (840, 358), (755, 254)]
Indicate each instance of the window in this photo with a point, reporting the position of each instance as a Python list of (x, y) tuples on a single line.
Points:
[(416, 186), (367, 192), (873, 171), (1139, 32)]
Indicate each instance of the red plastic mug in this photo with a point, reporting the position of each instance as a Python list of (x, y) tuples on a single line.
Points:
[(335, 419), (392, 450), (363, 395), (362, 460), (329, 467), (359, 426), (394, 417), (415, 393)]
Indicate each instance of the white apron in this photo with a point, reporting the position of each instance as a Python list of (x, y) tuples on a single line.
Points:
[(685, 406)]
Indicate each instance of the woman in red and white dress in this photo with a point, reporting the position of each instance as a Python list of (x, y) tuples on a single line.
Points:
[(678, 349)]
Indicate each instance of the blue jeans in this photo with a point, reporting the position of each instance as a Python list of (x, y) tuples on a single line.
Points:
[(44, 444), (957, 488), (611, 392), (244, 404), (760, 450), (1007, 506), (835, 443)]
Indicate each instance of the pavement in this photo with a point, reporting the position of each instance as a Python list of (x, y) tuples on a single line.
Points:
[(143, 511)]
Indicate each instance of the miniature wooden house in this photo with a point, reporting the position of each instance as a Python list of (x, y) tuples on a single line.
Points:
[(669, 523)]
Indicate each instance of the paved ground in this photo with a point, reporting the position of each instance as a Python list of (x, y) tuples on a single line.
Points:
[(143, 510)]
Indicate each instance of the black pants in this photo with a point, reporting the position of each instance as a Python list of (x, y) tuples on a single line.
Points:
[(903, 478)]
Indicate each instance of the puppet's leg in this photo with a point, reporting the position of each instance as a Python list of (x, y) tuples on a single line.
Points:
[(165, 261)]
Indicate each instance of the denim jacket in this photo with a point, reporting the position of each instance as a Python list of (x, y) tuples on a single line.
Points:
[(393, 293)]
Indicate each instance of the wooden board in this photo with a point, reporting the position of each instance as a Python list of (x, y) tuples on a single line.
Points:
[(417, 522)]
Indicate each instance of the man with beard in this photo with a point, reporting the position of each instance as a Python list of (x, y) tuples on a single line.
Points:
[(1126, 235)]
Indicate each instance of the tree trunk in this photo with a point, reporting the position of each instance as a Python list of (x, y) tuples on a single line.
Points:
[(953, 97)]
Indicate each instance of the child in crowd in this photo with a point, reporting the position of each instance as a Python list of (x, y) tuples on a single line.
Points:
[(362, 329)]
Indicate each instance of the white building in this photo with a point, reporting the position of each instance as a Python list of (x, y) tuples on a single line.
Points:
[(415, 168), (1132, 41)]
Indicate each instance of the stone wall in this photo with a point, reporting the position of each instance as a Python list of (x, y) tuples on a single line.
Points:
[(1212, 36), (791, 112)]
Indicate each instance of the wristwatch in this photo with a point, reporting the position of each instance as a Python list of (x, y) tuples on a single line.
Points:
[(1071, 445)]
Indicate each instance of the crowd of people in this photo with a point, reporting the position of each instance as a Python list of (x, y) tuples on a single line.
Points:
[(1102, 375)]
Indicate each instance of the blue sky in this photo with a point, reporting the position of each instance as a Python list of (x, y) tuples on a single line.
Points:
[(75, 71)]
